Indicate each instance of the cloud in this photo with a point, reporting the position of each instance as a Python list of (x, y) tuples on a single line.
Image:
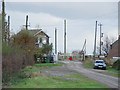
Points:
[(62, 0), (41, 19), (69, 10), (80, 18)]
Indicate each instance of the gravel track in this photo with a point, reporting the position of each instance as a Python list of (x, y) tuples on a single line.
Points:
[(72, 67)]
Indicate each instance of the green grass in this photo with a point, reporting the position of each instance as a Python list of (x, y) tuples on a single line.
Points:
[(47, 65), (38, 67), (113, 72), (58, 82), (43, 81), (25, 73), (88, 63)]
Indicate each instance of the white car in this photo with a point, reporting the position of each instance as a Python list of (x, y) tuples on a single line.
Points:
[(99, 64)]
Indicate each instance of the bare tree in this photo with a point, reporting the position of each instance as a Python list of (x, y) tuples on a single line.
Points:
[(107, 41)]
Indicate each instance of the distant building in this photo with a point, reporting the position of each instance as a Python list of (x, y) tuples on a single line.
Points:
[(114, 49), (63, 56), (41, 37)]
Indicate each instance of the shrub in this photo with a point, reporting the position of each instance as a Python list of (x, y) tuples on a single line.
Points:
[(116, 64), (18, 54)]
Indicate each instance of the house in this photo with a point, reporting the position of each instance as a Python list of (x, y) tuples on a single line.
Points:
[(41, 37), (114, 52)]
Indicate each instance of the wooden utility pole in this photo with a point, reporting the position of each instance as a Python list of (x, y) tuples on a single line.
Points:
[(55, 41), (8, 29), (64, 36), (3, 20), (100, 37), (94, 53), (26, 22), (84, 50)]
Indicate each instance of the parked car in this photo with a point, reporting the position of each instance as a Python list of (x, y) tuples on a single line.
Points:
[(99, 64)]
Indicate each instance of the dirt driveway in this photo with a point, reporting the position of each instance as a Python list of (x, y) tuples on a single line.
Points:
[(71, 67)]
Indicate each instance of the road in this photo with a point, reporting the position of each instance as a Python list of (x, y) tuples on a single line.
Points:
[(110, 81)]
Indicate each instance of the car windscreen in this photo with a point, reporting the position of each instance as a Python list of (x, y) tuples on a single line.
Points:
[(99, 62)]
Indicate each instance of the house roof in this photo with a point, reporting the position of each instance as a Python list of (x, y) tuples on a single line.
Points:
[(42, 33), (34, 31), (37, 31), (117, 41)]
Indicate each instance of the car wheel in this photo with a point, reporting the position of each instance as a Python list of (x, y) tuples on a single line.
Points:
[(104, 68), (94, 67)]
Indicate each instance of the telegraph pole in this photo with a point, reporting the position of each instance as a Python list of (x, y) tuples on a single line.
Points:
[(100, 36), (3, 20), (8, 29), (26, 22), (55, 41), (95, 41), (64, 36), (84, 50)]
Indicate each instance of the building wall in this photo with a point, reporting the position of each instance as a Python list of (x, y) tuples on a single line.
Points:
[(114, 50), (44, 39)]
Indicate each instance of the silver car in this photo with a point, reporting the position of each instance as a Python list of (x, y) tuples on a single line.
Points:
[(99, 64)]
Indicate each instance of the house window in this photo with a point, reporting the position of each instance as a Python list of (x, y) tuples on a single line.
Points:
[(40, 40), (110, 46), (44, 40)]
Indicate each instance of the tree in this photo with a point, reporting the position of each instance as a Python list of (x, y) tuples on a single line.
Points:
[(106, 45), (26, 42), (107, 41), (45, 49)]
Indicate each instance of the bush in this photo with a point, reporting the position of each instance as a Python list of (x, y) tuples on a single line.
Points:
[(17, 55), (12, 61), (116, 65)]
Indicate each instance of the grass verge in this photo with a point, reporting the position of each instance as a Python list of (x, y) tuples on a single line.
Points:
[(43, 81), (28, 72), (88, 63), (75, 81)]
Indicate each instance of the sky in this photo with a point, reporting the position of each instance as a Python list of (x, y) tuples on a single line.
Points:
[(80, 17)]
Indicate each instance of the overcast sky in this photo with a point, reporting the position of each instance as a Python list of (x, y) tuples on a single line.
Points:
[(80, 16)]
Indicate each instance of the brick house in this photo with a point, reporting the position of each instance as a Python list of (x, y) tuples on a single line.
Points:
[(114, 49)]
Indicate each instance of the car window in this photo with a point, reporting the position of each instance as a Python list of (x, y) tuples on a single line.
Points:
[(99, 62)]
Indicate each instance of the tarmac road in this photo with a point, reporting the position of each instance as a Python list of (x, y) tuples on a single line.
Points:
[(110, 81)]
